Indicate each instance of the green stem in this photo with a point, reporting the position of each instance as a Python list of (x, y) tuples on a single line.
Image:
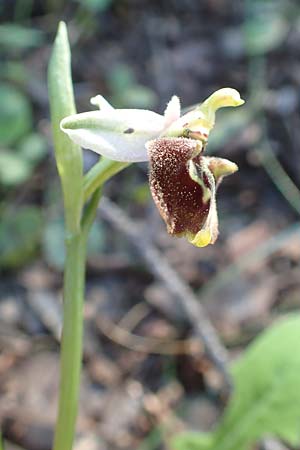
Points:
[(71, 344), (90, 212), (100, 173), (76, 192)]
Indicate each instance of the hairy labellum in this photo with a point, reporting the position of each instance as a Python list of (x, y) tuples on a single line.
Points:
[(183, 202), (183, 186)]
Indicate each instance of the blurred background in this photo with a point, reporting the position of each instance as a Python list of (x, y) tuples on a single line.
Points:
[(145, 376)]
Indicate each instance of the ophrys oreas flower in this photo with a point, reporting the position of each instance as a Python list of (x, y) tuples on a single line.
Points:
[(183, 181)]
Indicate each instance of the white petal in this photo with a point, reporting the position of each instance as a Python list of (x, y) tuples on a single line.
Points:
[(172, 111), (102, 104), (118, 134)]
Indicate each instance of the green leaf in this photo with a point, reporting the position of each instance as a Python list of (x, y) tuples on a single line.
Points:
[(15, 115), (68, 155), (192, 441), (20, 233), (266, 395)]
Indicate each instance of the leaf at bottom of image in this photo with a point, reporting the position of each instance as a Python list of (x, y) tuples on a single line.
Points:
[(266, 394)]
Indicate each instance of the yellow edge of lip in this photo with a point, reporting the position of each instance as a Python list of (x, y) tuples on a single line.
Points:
[(201, 239)]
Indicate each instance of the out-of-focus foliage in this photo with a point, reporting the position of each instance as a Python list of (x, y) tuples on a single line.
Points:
[(127, 92), (95, 5), (16, 37), (15, 115), (20, 233), (21, 148), (267, 26), (266, 394), (16, 167), (53, 242)]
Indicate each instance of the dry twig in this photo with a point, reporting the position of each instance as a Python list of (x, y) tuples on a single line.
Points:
[(124, 337), (160, 267)]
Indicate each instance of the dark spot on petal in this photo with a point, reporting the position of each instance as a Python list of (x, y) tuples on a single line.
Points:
[(129, 131)]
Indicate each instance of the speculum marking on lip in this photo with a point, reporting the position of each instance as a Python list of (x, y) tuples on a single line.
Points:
[(128, 131)]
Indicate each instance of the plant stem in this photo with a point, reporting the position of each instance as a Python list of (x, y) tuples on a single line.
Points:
[(100, 173), (71, 344), (77, 191)]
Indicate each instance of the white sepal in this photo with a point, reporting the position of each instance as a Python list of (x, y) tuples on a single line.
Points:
[(118, 134)]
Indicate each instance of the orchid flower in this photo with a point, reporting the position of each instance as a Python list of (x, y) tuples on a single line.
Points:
[(183, 181)]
